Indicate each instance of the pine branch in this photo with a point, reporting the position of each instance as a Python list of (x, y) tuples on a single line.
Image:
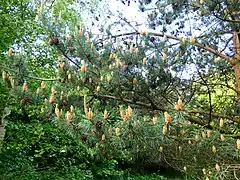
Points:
[(216, 115), (207, 48), (28, 76), (190, 118)]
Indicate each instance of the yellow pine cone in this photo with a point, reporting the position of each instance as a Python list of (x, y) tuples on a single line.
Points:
[(221, 123), (122, 114), (84, 68), (53, 91), (164, 56), (204, 171), (126, 116), (182, 132), (43, 85), (10, 52), (81, 31), (4, 75), (117, 130), (89, 114), (134, 81), (136, 50), (105, 115), (183, 40), (204, 136), (88, 38), (185, 168), (37, 91), (69, 117), (238, 144), (214, 150), (90, 80), (155, 120), (164, 131), (209, 133), (161, 149), (46, 100), (131, 49), (222, 137), (69, 76), (108, 78), (218, 169), (68, 37), (83, 79), (118, 63), (57, 111), (180, 148), (72, 109), (167, 118), (59, 58), (177, 58), (103, 137), (192, 40), (196, 138), (129, 111), (92, 46), (61, 65), (25, 87), (179, 104), (51, 99), (144, 61), (98, 88), (11, 81)]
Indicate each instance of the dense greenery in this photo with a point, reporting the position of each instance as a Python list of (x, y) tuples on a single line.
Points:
[(148, 103)]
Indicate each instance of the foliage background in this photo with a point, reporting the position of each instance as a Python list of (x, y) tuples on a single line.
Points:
[(102, 114)]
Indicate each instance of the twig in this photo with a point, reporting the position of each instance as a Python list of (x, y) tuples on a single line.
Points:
[(216, 115), (209, 96), (66, 56), (31, 77), (42, 79)]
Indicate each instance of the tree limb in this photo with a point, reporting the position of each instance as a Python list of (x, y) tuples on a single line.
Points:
[(207, 48), (162, 109)]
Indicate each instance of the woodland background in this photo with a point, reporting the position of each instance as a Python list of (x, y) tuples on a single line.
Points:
[(91, 92)]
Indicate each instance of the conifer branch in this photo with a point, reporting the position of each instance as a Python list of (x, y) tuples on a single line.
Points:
[(207, 48), (31, 77)]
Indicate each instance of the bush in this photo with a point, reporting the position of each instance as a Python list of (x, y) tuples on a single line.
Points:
[(44, 150)]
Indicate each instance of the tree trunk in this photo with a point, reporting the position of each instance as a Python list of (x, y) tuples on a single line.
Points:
[(237, 65)]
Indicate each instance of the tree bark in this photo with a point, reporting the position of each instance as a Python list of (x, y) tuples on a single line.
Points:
[(236, 67)]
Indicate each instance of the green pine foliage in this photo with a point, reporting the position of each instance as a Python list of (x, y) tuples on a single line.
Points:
[(77, 106)]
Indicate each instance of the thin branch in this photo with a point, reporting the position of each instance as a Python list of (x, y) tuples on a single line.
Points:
[(86, 56), (219, 84), (193, 120), (209, 97), (226, 44), (207, 48), (149, 106), (31, 77), (216, 115), (228, 20), (66, 56), (41, 79)]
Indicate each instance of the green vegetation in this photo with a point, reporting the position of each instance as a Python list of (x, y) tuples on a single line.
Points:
[(85, 94)]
